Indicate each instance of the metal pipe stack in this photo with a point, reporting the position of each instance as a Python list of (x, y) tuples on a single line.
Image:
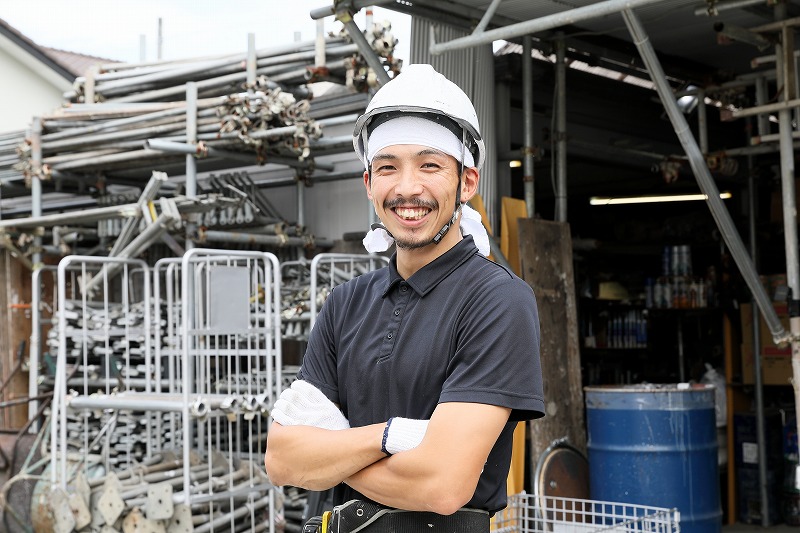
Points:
[(115, 109)]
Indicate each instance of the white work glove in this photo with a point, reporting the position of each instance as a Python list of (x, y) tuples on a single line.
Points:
[(402, 434), (305, 405)]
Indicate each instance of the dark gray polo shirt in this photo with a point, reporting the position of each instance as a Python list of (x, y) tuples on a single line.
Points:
[(461, 329)]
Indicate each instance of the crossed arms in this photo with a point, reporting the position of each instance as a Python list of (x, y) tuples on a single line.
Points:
[(439, 474)]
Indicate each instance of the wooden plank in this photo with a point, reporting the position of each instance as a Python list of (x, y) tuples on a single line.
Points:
[(15, 318), (736, 401), (6, 331), (512, 211), (546, 262)]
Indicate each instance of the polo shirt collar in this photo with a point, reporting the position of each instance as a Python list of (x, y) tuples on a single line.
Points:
[(428, 277)]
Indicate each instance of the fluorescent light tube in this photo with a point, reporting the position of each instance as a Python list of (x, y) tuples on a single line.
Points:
[(598, 200)]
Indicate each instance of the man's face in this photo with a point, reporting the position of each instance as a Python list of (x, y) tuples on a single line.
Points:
[(414, 192)]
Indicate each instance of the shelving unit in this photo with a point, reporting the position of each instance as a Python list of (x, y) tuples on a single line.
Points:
[(635, 321)]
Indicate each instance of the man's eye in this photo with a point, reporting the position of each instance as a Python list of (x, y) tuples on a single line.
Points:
[(384, 168), (430, 165)]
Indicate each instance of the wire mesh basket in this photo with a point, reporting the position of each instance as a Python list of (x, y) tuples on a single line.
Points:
[(528, 513)]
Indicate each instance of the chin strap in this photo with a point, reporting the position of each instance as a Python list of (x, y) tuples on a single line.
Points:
[(442, 232)]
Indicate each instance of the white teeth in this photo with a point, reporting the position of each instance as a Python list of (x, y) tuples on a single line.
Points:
[(412, 214)]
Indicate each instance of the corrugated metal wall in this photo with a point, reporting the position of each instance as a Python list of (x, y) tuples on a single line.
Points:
[(472, 69)]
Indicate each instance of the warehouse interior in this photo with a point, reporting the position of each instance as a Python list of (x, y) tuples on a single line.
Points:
[(200, 210)]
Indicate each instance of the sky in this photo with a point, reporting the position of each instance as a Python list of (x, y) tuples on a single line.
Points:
[(112, 29)]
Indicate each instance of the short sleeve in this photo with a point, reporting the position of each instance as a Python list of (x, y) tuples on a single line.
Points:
[(496, 360), (319, 361)]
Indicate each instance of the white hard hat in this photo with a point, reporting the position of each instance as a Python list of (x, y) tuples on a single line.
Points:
[(420, 89)]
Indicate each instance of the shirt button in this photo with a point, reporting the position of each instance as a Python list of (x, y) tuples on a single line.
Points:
[(396, 312), (403, 288), (389, 336)]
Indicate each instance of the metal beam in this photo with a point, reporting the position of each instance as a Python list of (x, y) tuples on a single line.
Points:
[(185, 205), (366, 50), (703, 176), (487, 17), (539, 24), (527, 113), (356, 5), (561, 130), (712, 9), (36, 185)]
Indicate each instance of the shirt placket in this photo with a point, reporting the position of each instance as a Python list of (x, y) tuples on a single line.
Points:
[(392, 331)]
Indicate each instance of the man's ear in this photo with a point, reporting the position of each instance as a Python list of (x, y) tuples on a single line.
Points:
[(469, 183), (368, 183)]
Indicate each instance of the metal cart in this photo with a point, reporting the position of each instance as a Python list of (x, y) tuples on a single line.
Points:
[(527, 513)]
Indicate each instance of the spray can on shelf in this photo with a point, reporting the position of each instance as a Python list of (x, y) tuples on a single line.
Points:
[(666, 261), (676, 264), (658, 294), (686, 260)]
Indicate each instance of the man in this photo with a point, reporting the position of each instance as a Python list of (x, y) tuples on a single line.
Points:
[(433, 359)]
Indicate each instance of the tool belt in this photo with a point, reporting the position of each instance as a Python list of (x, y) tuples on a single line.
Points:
[(357, 516)]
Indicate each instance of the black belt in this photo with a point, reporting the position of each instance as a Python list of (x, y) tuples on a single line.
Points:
[(358, 516)]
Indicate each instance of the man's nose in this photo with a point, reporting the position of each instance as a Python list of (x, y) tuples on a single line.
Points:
[(408, 183)]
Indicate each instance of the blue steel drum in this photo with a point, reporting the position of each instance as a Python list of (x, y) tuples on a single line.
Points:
[(656, 445)]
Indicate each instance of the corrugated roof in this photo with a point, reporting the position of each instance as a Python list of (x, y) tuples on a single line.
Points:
[(74, 62)]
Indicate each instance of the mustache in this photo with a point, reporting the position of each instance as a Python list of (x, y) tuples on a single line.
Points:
[(414, 202)]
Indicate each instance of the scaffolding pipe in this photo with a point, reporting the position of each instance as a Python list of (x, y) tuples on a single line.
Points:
[(130, 228), (191, 163), (561, 129), (702, 121), (786, 78), (98, 139), (264, 52), (356, 5), (703, 176), (34, 345), (537, 25), (339, 51), (36, 185), (756, 347), (143, 240), (777, 26), (761, 99), (527, 112), (715, 8), (209, 83), (251, 238), (767, 108), (319, 46), (487, 17), (147, 80), (372, 59), (185, 205), (128, 121), (754, 150), (251, 61)]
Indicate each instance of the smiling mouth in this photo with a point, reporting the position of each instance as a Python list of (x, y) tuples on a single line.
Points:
[(411, 213)]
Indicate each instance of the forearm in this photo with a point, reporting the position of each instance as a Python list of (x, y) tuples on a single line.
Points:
[(441, 474), (317, 459), (418, 480)]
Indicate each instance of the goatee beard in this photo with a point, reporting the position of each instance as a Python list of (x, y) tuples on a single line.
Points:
[(411, 245)]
